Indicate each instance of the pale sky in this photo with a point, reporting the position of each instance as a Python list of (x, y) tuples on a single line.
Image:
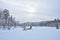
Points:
[(32, 10)]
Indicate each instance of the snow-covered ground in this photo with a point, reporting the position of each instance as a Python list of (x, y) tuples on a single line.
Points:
[(36, 33)]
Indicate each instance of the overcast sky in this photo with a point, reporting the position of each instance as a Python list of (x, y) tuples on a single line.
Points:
[(32, 10)]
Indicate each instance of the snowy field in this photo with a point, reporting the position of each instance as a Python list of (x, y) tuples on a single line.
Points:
[(36, 33)]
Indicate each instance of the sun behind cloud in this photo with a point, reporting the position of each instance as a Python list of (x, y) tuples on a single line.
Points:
[(31, 15)]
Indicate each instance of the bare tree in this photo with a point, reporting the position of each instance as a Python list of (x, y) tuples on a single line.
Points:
[(5, 16)]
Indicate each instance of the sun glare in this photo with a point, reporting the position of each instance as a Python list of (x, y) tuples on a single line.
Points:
[(31, 10), (31, 15)]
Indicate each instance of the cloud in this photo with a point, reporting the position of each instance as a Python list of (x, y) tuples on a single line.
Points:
[(24, 5), (31, 10)]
